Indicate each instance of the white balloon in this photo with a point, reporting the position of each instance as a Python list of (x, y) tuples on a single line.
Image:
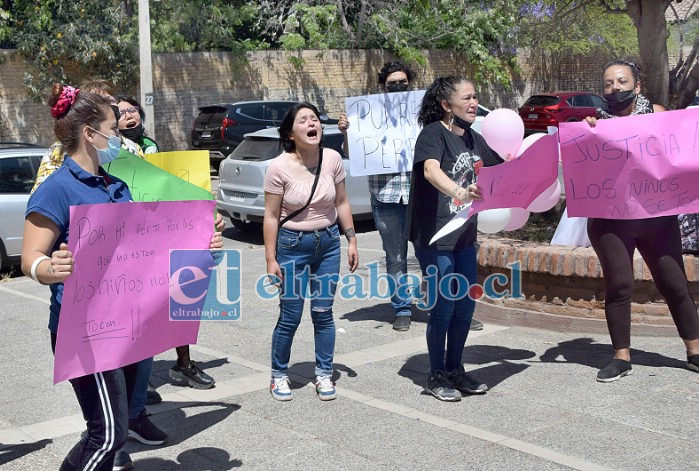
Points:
[(491, 221)]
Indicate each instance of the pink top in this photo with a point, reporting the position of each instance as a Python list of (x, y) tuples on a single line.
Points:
[(321, 213)]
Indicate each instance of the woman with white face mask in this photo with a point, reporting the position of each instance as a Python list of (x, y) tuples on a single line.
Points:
[(657, 239)]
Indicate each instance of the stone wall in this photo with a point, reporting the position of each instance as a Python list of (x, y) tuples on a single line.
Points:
[(183, 82)]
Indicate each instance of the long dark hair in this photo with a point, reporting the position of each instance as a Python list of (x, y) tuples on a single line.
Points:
[(442, 88), (288, 123)]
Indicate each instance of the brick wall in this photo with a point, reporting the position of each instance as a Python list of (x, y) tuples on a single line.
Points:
[(567, 281), (184, 81)]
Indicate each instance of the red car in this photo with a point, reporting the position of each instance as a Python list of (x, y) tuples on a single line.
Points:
[(549, 109)]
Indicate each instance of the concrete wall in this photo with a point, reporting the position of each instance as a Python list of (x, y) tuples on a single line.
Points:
[(185, 81)]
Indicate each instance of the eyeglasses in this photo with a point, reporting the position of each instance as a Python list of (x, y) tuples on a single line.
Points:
[(132, 109)]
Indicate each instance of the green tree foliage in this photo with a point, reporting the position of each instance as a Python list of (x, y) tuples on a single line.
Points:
[(52, 35), (405, 27), (203, 25)]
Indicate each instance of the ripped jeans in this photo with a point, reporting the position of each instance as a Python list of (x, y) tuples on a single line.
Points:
[(310, 264)]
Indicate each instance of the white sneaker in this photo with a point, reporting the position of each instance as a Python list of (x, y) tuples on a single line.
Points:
[(325, 388), (280, 389)]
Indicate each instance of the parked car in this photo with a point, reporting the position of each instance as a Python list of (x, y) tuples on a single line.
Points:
[(240, 194), (481, 113), (18, 166), (221, 128), (549, 109)]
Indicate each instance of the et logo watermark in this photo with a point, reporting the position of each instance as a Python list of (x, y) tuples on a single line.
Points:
[(205, 285)]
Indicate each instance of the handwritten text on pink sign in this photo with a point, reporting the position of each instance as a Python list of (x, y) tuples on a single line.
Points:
[(634, 167), (115, 305), (515, 184)]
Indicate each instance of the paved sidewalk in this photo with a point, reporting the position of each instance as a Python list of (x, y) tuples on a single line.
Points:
[(545, 411)]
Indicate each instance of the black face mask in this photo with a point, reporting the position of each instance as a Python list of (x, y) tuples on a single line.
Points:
[(133, 133), (462, 123), (619, 101), (397, 87)]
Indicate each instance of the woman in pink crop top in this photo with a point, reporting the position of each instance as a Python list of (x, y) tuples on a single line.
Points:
[(302, 242)]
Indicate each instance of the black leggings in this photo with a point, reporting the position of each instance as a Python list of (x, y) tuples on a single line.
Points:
[(658, 241), (104, 399)]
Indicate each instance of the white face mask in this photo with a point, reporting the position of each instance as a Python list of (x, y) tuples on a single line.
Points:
[(111, 152)]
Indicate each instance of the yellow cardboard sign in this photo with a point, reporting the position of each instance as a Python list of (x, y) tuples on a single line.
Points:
[(190, 165)]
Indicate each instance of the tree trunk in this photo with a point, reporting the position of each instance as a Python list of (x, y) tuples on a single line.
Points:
[(651, 29)]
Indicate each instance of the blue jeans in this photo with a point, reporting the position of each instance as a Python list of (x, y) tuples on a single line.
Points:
[(140, 388), (390, 219), (450, 320), (307, 259)]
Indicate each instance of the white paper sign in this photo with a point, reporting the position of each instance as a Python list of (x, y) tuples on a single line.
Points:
[(382, 133)]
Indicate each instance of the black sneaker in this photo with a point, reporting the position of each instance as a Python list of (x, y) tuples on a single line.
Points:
[(401, 323), (192, 375), (145, 431), (614, 371), (693, 363), (466, 383), (476, 324), (122, 461), (440, 387), (152, 396)]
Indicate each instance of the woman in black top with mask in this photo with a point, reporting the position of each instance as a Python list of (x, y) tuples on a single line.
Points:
[(657, 239)]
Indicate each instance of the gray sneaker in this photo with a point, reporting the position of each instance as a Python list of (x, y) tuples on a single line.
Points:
[(466, 383), (440, 387), (401, 323), (476, 324)]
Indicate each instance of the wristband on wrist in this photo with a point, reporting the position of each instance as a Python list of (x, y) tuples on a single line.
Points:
[(35, 265), (349, 233), (455, 190)]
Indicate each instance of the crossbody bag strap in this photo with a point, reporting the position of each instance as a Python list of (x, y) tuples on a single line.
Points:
[(313, 190)]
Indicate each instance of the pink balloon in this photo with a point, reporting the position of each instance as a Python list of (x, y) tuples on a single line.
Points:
[(547, 199), (518, 218), (503, 130), (528, 141)]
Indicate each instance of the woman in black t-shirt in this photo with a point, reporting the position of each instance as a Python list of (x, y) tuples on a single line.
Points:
[(448, 156)]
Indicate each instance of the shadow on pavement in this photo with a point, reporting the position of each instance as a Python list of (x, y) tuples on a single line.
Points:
[(161, 368), (252, 237), (306, 369), (417, 367), (584, 351), (181, 427), (382, 313), (196, 459), (9, 453)]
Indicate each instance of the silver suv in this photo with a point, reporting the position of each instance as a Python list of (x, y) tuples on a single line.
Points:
[(240, 194), (18, 166)]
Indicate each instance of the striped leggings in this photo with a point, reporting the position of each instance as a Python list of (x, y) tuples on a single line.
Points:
[(104, 398)]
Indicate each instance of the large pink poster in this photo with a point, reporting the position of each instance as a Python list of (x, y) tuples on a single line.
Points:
[(115, 304), (518, 182), (634, 167)]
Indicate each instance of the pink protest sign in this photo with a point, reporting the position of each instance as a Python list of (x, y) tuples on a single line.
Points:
[(515, 184), (115, 304), (634, 167)]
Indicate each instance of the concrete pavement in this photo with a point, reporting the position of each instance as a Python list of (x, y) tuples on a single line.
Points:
[(545, 411)]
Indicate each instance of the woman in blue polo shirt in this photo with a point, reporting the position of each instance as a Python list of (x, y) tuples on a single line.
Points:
[(87, 129)]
